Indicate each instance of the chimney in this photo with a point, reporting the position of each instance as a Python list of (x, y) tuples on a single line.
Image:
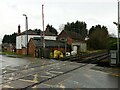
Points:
[(19, 31)]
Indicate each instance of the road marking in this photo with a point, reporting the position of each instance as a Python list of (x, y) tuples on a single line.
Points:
[(76, 82), (117, 75), (35, 79), (55, 86), (32, 81), (7, 86), (11, 78), (56, 72), (51, 74), (62, 86), (48, 85)]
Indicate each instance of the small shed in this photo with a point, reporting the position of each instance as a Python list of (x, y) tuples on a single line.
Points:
[(79, 46), (35, 47)]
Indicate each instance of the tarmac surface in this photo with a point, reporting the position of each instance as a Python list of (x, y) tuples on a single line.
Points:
[(48, 73)]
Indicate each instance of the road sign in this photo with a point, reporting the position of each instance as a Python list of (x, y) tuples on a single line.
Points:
[(113, 56)]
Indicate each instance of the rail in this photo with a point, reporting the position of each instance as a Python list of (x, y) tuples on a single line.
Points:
[(87, 58)]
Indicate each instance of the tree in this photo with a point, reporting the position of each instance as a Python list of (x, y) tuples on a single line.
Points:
[(78, 27), (51, 29), (13, 38), (6, 39), (9, 38), (98, 37), (38, 31), (112, 43)]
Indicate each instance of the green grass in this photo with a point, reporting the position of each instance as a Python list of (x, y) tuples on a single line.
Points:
[(8, 53), (11, 54)]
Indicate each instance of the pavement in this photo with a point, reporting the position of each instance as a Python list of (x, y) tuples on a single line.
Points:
[(115, 71)]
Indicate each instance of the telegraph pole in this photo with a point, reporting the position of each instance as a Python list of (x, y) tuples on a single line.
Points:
[(118, 61), (43, 26)]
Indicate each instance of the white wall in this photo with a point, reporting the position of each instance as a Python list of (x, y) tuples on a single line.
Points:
[(74, 48), (31, 36), (18, 42), (50, 37), (21, 41), (83, 46)]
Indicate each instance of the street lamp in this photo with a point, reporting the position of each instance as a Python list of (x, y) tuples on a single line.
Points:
[(118, 27), (26, 28)]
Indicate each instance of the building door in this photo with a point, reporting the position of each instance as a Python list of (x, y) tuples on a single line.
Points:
[(74, 48)]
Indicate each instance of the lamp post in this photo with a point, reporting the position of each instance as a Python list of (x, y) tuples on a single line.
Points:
[(117, 24), (26, 28), (118, 30)]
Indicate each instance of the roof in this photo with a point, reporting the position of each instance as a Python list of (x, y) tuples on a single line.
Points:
[(29, 32), (47, 33), (74, 35), (38, 42)]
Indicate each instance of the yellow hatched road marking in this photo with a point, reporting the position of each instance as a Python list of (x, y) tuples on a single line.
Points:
[(117, 75), (28, 80), (7, 86)]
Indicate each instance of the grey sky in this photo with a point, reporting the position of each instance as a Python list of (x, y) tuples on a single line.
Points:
[(57, 12)]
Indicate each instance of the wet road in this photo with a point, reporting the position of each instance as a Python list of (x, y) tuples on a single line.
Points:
[(48, 73), (12, 62)]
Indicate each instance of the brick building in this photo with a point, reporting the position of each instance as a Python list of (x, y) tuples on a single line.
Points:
[(23, 38), (36, 45), (76, 41)]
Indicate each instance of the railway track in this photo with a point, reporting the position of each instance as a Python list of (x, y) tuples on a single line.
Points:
[(88, 58)]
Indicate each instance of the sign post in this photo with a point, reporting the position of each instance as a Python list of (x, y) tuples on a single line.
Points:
[(113, 57)]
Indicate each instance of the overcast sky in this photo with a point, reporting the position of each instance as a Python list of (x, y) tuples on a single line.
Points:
[(57, 12)]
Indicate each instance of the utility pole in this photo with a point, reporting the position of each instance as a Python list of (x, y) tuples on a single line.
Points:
[(43, 26), (118, 31), (118, 61)]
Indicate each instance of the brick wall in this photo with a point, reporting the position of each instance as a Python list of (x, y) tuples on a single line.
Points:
[(69, 40), (24, 51), (64, 35), (31, 49), (19, 51)]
